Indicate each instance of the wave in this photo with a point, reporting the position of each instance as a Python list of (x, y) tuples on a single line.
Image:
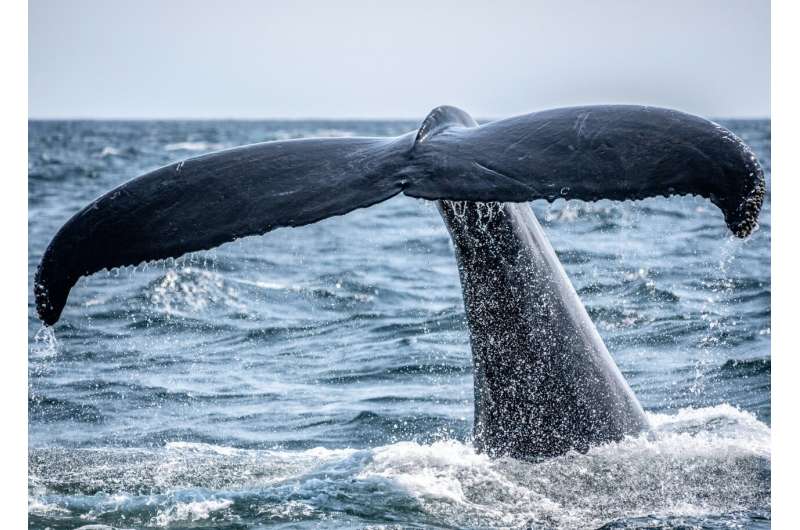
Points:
[(44, 408), (191, 392), (321, 132), (392, 373), (194, 146), (109, 151), (735, 368), (697, 462)]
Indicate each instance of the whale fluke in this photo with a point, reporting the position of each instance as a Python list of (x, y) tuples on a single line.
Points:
[(618, 152), (588, 153), (205, 201)]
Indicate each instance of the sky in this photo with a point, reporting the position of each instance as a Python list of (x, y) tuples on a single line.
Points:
[(254, 59)]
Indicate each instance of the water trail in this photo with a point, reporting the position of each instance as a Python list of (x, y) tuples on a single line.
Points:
[(717, 314), (44, 344)]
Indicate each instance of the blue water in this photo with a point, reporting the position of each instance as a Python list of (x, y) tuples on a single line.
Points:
[(321, 376)]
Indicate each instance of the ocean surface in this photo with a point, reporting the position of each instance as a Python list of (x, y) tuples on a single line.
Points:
[(321, 376)]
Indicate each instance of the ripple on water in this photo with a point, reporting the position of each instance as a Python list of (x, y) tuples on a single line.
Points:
[(193, 392), (695, 463)]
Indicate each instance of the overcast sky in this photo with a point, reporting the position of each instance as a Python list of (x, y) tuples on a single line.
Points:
[(337, 59)]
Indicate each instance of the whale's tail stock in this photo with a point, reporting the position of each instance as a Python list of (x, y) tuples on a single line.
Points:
[(589, 153)]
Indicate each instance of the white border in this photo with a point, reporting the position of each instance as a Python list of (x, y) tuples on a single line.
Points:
[(785, 255), (13, 263), (785, 194)]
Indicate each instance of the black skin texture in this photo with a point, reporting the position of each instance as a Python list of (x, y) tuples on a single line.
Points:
[(544, 382)]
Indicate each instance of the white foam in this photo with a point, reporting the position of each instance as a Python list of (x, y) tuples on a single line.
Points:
[(199, 447), (290, 510), (109, 151), (101, 527), (190, 511), (193, 146), (37, 506), (290, 134), (98, 527), (695, 462)]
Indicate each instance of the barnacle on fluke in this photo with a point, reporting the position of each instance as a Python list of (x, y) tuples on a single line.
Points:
[(744, 219)]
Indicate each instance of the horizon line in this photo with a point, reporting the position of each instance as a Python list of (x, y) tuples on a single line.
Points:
[(318, 118)]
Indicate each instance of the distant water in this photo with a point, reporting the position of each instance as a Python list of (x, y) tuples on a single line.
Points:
[(321, 376)]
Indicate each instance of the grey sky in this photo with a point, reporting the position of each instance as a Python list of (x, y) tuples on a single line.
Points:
[(256, 59)]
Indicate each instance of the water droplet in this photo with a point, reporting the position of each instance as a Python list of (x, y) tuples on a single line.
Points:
[(44, 343)]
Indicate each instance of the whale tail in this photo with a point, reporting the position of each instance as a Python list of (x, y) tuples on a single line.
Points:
[(588, 153)]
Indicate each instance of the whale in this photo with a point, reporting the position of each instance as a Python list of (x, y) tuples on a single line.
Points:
[(544, 382)]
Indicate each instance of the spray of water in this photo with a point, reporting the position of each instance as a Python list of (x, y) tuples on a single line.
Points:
[(44, 344)]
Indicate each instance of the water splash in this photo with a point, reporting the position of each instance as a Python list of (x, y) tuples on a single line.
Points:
[(188, 290), (245, 385), (697, 462), (44, 344), (717, 314)]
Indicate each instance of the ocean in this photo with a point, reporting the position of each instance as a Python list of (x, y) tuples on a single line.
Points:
[(320, 377)]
